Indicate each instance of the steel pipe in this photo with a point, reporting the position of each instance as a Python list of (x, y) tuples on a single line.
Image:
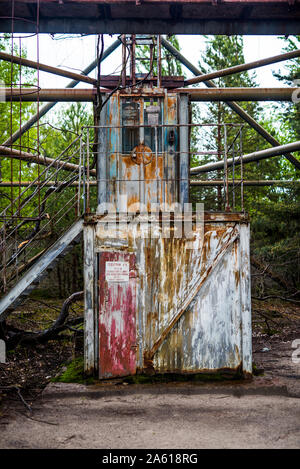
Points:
[(255, 156), (51, 94), (42, 183), (196, 94), (241, 94), (47, 68), (237, 182), (39, 159), (243, 67), (207, 183)]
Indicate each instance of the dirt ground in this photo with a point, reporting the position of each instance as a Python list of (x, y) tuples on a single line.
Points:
[(262, 413)]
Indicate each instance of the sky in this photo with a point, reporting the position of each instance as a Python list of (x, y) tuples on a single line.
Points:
[(77, 53)]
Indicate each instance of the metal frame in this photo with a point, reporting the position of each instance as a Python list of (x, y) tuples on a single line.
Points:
[(155, 16)]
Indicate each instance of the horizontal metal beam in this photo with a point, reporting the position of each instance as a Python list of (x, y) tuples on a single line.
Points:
[(156, 26), (43, 183), (243, 67), (241, 94), (141, 3), (237, 182), (153, 17), (51, 94), (255, 156), (207, 183), (46, 68), (218, 94), (232, 104)]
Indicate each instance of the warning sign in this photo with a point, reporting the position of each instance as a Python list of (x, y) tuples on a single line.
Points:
[(117, 271)]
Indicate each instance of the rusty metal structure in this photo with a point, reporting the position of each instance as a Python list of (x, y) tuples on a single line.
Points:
[(154, 16), (166, 284), (167, 289)]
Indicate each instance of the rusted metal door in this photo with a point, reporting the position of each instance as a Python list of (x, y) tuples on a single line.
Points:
[(117, 314)]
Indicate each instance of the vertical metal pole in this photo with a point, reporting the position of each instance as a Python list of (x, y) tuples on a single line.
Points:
[(83, 180), (158, 61), (4, 254), (151, 62), (102, 156), (133, 59), (89, 301), (183, 149), (123, 60), (245, 286), (233, 185), (142, 198), (156, 165), (88, 175), (226, 169), (79, 177), (242, 170)]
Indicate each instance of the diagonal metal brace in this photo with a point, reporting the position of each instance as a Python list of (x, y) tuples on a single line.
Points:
[(148, 356), (233, 105)]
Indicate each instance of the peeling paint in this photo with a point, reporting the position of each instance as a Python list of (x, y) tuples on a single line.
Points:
[(214, 330)]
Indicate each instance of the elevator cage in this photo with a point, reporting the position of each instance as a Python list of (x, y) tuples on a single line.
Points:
[(143, 150), (167, 288)]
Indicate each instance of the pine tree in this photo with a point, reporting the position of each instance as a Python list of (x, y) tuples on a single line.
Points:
[(290, 112), (222, 52)]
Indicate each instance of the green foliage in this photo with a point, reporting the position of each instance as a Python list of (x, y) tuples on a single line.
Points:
[(66, 126), (275, 234), (274, 210), (14, 75), (12, 115), (222, 52), (289, 112)]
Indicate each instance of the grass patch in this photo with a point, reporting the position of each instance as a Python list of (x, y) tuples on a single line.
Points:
[(257, 371), (74, 373)]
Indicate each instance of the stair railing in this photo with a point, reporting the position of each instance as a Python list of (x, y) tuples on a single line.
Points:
[(48, 205)]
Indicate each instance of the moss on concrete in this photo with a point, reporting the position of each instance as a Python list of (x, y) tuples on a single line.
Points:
[(73, 372)]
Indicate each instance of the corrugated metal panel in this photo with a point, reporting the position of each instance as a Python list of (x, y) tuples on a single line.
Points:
[(193, 307)]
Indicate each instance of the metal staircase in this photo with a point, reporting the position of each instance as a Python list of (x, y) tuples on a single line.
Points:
[(42, 223), (41, 267)]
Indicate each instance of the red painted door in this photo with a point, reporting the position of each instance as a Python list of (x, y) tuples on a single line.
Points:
[(117, 314)]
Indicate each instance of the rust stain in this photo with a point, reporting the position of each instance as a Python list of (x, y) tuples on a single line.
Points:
[(169, 270), (171, 106), (236, 270), (148, 363), (142, 154)]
